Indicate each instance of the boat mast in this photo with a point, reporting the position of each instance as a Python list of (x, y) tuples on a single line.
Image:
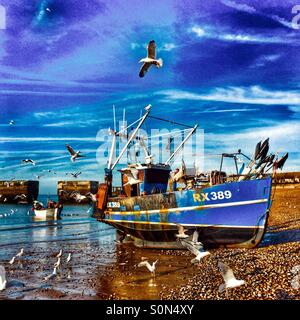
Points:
[(181, 144), (112, 148), (111, 166)]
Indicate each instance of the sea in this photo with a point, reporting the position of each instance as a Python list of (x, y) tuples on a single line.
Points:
[(19, 227)]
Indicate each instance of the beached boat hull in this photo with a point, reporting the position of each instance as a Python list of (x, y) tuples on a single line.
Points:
[(47, 213), (230, 214)]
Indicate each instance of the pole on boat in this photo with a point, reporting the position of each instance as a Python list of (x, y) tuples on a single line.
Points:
[(111, 167), (181, 144), (114, 132)]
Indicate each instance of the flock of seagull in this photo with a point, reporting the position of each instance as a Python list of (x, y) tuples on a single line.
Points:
[(78, 197), (196, 248), (19, 255), (73, 156), (12, 212)]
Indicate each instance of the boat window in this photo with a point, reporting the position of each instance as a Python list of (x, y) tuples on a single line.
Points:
[(157, 176)]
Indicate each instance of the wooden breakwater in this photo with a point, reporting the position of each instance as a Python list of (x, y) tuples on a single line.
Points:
[(78, 191), (287, 178), (281, 178), (18, 191)]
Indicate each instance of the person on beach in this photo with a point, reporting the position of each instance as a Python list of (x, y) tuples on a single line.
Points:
[(59, 207)]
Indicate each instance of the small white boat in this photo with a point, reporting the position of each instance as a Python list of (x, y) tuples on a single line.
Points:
[(46, 213)]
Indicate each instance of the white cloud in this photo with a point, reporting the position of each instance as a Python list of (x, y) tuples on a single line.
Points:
[(134, 45), (198, 31), (229, 110), (239, 6), (263, 60), (246, 8), (284, 137), (72, 123), (250, 95), (222, 35), (282, 21), (45, 139), (167, 47)]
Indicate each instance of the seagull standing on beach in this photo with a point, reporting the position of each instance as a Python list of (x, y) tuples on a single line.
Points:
[(150, 59), (19, 255), (69, 257), (74, 154), (150, 267), (229, 278), (3, 280), (57, 264), (12, 260), (52, 275), (59, 254)]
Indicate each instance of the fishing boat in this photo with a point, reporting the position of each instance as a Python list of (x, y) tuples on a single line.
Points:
[(225, 211), (52, 210), (46, 213)]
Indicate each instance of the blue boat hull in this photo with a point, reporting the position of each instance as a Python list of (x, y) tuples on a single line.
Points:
[(231, 214)]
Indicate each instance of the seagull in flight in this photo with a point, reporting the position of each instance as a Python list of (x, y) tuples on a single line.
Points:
[(131, 175), (150, 59), (75, 175), (22, 196), (195, 249), (74, 154), (91, 196), (26, 161), (195, 240), (11, 122), (181, 232), (3, 280), (229, 278), (150, 267), (77, 196), (49, 170)]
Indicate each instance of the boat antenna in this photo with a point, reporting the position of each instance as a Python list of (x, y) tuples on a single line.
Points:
[(111, 166), (124, 115), (114, 113), (181, 144)]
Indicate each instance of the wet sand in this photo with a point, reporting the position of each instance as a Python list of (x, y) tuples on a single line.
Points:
[(107, 270)]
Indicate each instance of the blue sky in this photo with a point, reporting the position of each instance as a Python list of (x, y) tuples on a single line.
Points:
[(231, 66)]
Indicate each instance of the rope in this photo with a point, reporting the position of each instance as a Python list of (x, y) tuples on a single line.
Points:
[(130, 125), (172, 122)]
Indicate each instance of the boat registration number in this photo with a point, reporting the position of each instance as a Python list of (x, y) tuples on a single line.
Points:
[(220, 195), (113, 204)]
